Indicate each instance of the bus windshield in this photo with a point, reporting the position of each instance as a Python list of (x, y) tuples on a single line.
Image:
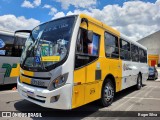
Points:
[(48, 45)]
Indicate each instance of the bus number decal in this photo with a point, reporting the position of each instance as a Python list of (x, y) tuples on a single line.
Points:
[(92, 91)]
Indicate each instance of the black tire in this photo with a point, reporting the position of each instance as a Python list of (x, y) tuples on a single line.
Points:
[(139, 82), (108, 84), (156, 77)]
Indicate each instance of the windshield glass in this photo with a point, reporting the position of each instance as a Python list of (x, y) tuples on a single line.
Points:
[(48, 44), (151, 69)]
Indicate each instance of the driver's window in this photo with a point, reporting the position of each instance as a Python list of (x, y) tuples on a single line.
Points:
[(86, 52), (84, 47)]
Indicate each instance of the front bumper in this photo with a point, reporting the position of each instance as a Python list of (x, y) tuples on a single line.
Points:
[(60, 98), (151, 76)]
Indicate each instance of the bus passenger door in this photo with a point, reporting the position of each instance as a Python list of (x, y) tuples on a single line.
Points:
[(85, 68), (79, 72), (93, 70)]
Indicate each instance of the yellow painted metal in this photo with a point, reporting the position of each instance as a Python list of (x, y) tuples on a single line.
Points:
[(112, 67), (51, 58), (100, 24), (91, 89), (152, 57), (15, 71), (23, 78), (80, 75), (78, 95), (25, 72), (85, 93)]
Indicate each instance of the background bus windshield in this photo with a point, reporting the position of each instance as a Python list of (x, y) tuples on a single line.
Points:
[(48, 44)]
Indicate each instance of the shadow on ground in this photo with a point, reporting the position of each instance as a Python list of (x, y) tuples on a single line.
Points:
[(7, 87)]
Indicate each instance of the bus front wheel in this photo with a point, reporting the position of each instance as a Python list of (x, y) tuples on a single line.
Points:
[(107, 94)]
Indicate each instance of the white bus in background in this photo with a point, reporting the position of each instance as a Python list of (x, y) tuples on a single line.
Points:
[(10, 52)]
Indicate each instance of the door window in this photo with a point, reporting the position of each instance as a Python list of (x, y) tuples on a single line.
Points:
[(86, 52)]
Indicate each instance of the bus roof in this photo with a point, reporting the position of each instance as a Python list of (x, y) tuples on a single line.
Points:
[(132, 41), (101, 24), (11, 33), (111, 30)]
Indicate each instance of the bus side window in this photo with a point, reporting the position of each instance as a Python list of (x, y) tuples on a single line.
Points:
[(111, 46), (86, 52), (79, 47), (142, 55), (145, 55), (125, 50), (134, 53), (83, 47), (18, 46), (6, 44)]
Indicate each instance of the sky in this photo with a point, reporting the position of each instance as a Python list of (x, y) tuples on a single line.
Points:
[(134, 18)]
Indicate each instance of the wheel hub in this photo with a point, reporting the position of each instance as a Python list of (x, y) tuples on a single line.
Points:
[(139, 82), (108, 92)]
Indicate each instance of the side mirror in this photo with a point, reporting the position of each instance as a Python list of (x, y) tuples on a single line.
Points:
[(90, 36)]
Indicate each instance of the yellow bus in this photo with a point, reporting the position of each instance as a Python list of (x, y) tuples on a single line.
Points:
[(85, 60)]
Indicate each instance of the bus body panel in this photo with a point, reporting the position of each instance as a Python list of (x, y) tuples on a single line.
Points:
[(10, 56), (84, 84), (9, 70), (90, 87), (100, 24), (64, 92), (90, 91), (46, 98), (131, 71)]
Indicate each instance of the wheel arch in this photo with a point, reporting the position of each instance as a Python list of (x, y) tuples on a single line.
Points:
[(111, 77)]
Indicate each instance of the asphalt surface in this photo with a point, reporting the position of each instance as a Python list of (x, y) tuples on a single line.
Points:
[(146, 101)]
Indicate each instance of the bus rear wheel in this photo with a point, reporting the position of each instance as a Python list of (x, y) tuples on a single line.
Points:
[(139, 82), (107, 94)]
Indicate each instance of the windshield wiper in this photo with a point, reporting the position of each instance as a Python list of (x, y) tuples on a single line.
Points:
[(35, 51), (27, 52)]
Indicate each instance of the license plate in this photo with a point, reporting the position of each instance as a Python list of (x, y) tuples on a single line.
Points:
[(38, 83), (31, 94)]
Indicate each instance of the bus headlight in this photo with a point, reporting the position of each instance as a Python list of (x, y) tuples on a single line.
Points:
[(58, 82)]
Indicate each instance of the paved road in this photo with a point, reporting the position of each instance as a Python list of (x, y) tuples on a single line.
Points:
[(146, 99)]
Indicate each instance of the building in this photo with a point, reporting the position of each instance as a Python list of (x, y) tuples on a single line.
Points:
[(152, 42)]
